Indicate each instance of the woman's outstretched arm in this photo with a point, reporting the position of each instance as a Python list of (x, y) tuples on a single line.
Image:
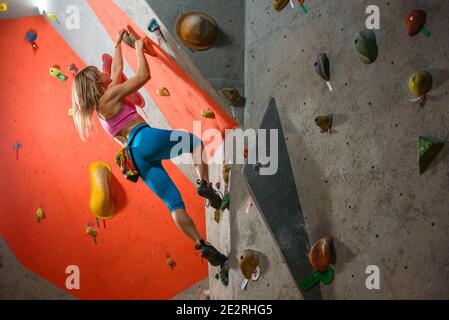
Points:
[(130, 86), (117, 62)]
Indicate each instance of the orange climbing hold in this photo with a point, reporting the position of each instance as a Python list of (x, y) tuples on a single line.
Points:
[(321, 253)]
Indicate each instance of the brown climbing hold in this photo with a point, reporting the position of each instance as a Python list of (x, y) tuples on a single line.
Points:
[(208, 114), (170, 262), (249, 261), (217, 215), (278, 5), (321, 253), (197, 30), (163, 92), (231, 94), (324, 122), (225, 171)]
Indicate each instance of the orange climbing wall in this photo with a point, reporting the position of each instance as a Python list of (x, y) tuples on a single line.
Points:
[(52, 173), (186, 99)]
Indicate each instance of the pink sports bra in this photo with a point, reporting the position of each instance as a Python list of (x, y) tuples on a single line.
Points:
[(119, 121)]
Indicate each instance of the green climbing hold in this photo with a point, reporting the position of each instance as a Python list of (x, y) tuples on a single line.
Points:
[(311, 280), (226, 202), (428, 149), (327, 276), (366, 45)]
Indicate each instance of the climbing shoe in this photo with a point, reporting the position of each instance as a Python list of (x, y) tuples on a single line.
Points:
[(205, 190), (211, 254), (224, 273)]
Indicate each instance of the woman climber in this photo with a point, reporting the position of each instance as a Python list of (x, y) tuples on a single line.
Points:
[(104, 93)]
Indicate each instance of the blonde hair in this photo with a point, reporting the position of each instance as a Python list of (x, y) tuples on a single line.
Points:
[(86, 94)]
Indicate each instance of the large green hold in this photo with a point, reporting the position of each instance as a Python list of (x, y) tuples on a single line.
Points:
[(366, 45), (428, 149)]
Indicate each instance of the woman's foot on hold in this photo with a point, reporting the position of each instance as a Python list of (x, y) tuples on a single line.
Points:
[(211, 254), (206, 190)]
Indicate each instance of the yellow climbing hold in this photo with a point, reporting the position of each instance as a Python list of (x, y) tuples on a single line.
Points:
[(101, 203), (3, 6), (40, 214), (225, 171), (90, 231), (70, 112), (52, 16), (420, 83), (217, 215)]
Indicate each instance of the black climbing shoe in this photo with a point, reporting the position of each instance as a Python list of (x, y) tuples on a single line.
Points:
[(224, 273), (205, 190), (211, 254)]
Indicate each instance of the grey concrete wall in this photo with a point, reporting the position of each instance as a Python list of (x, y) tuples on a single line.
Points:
[(19, 9), (360, 184), (17, 282), (222, 64)]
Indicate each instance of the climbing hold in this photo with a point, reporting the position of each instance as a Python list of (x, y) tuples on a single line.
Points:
[(217, 215), (249, 261), (420, 84), (415, 22), (231, 94), (208, 114), (303, 7), (226, 202), (56, 72), (428, 149), (366, 45), (16, 147), (278, 5), (70, 112), (40, 214), (90, 231), (322, 68), (327, 276), (101, 203), (310, 281), (218, 185), (170, 262), (321, 253), (324, 122), (225, 172), (31, 36), (73, 69), (197, 30), (52, 16), (130, 38), (154, 25), (3, 7), (163, 92)]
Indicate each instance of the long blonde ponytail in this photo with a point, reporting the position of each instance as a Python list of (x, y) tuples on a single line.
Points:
[(86, 93)]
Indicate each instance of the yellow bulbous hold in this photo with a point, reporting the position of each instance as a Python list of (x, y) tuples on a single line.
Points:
[(420, 83), (101, 203)]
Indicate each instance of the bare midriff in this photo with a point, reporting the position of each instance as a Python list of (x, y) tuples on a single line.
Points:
[(127, 130)]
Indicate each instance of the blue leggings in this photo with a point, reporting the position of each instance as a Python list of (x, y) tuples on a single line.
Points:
[(149, 147)]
